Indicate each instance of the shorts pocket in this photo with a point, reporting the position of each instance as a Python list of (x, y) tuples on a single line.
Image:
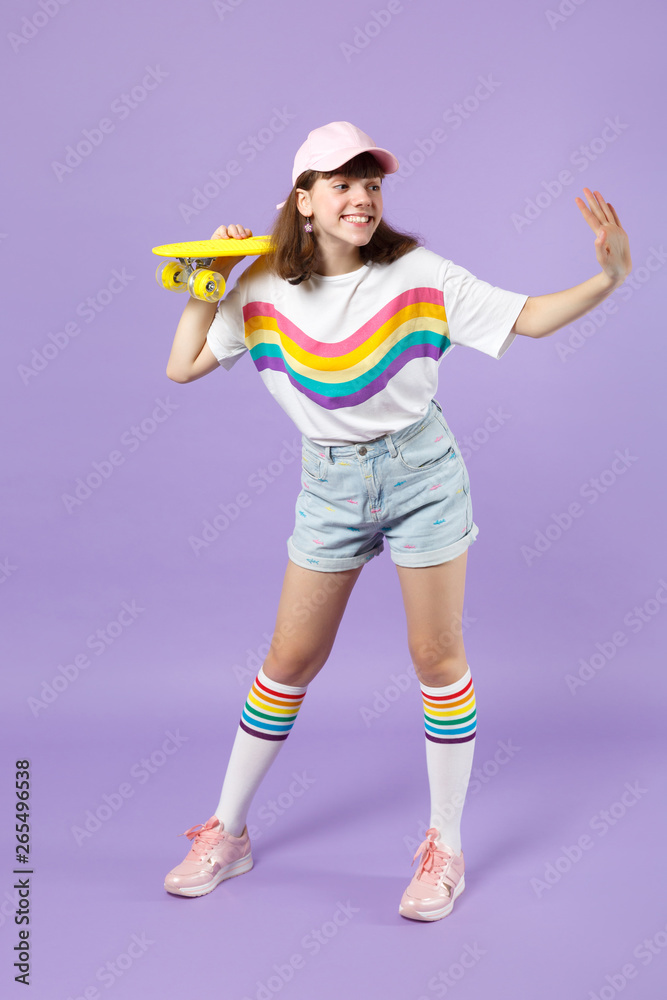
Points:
[(313, 467), (427, 449), (452, 437)]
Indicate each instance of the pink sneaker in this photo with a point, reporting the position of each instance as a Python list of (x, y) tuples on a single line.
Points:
[(214, 856), (436, 883)]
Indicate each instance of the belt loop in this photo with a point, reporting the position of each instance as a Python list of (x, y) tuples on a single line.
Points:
[(327, 452), (390, 444)]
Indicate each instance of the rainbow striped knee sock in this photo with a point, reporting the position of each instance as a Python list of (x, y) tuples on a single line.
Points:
[(266, 721), (450, 722), (270, 709)]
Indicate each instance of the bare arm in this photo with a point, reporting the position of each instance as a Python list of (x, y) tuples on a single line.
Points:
[(544, 314), (191, 357)]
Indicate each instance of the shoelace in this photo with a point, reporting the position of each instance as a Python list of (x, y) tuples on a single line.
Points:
[(433, 859), (204, 837)]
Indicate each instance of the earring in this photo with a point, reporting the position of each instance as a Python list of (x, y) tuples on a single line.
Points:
[(308, 226)]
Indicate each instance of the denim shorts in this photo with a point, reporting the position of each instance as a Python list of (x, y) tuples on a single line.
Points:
[(410, 488)]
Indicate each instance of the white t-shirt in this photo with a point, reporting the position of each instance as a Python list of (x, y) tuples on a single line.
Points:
[(354, 356)]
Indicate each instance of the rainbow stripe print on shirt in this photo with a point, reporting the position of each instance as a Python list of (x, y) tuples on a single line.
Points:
[(451, 718), (412, 325), (268, 713)]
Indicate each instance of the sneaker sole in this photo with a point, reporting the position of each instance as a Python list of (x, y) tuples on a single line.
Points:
[(229, 871), (443, 911)]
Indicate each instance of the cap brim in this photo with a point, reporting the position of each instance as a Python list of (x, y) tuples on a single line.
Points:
[(387, 160)]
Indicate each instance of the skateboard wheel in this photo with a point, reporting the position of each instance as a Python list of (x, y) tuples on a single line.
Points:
[(172, 275), (209, 286)]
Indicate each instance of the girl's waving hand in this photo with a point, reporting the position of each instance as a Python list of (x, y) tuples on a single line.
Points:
[(612, 247)]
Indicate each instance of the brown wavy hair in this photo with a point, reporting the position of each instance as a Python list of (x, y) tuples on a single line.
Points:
[(295, 251)]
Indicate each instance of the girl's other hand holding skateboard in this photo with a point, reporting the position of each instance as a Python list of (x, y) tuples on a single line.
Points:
[(224, 264)]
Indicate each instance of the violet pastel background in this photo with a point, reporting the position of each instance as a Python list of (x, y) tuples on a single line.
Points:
[(182, 664)]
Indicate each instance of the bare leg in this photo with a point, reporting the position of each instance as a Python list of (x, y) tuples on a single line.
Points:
[(309, 612), (433, 600)]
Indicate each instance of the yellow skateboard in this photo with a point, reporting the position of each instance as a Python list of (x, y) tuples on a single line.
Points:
[(190, 271)]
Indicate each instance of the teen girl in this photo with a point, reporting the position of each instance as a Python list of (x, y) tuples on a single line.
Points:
[(347, 321)]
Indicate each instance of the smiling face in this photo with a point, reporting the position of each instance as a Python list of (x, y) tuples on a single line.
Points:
[(344, 211)]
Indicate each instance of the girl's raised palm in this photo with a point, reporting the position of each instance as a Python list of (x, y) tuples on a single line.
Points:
[(612, 247)]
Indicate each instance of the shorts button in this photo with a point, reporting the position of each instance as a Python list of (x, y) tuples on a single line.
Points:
[(362, 450)]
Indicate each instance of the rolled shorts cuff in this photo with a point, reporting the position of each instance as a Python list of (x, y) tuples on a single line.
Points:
[(328, 565), (437, 556)]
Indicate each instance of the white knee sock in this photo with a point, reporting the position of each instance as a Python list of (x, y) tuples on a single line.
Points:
[(267, 718), (450, 720)]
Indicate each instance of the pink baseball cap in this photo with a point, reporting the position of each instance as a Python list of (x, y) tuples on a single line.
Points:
[(333, 145)]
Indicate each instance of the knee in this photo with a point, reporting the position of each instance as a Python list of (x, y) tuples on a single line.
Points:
[(433, 652), (439, 672), (436, 656), (292, 669)]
